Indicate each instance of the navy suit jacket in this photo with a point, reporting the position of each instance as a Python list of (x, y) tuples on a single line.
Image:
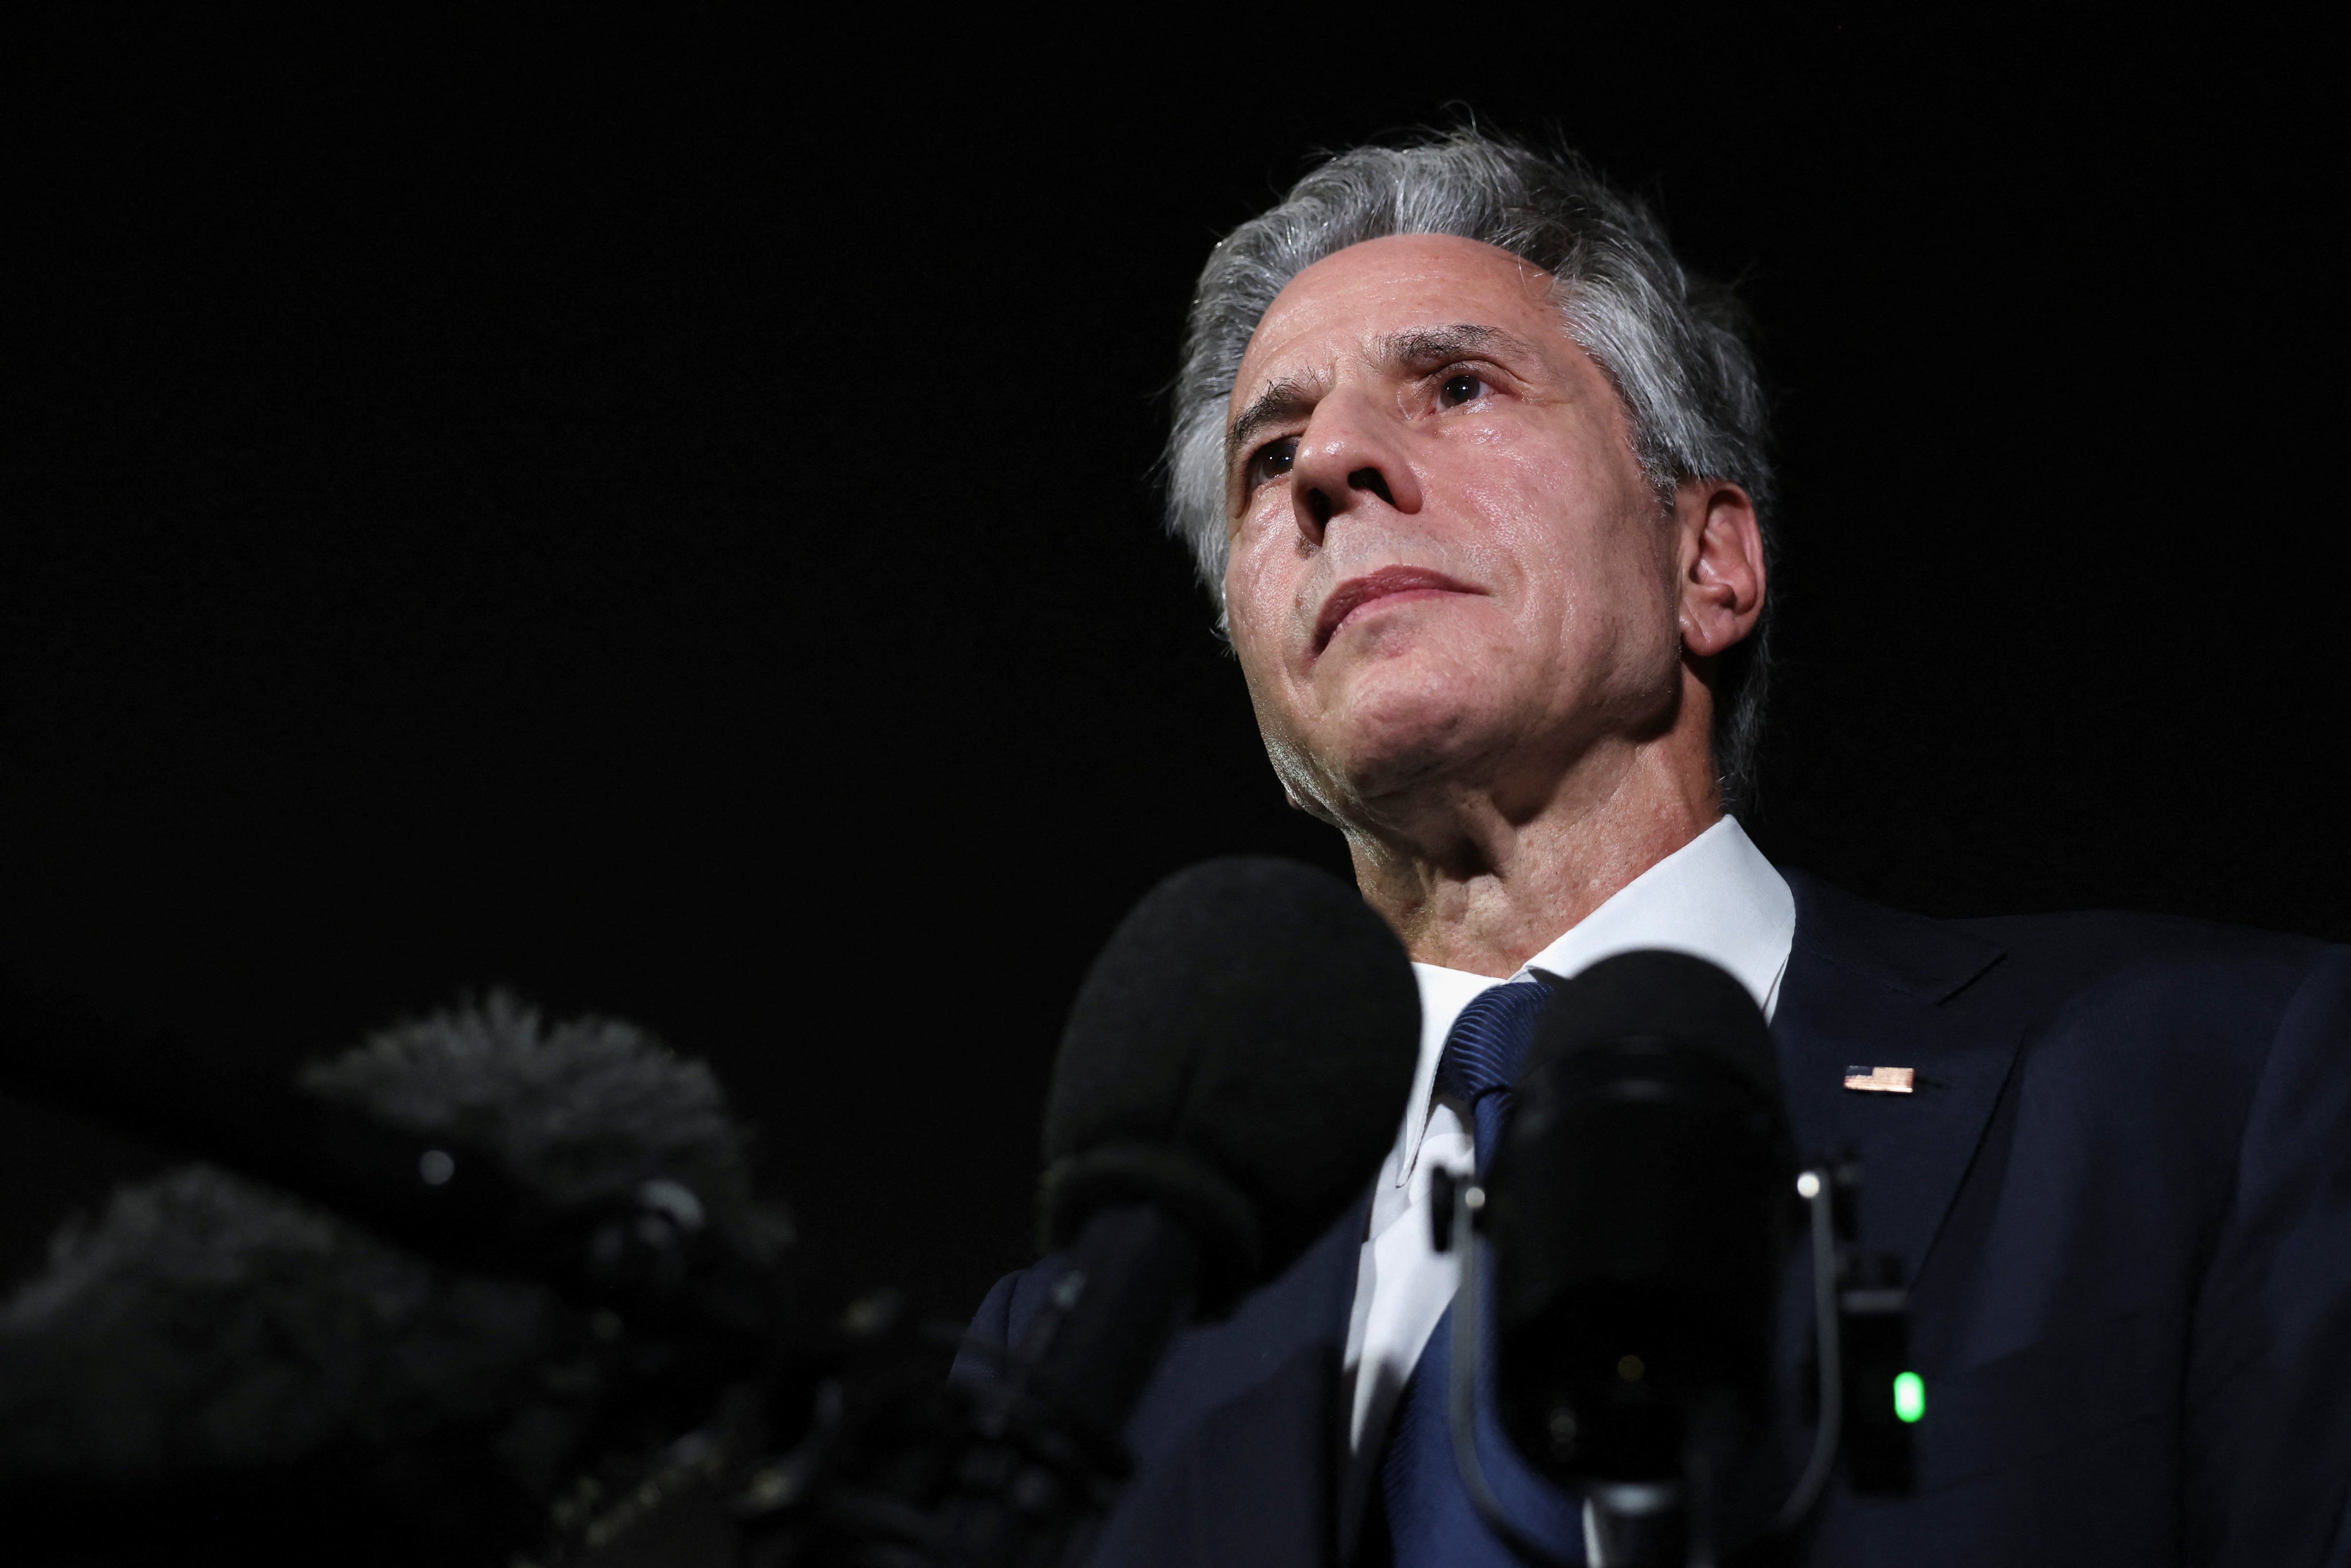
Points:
[(2123, 1191)]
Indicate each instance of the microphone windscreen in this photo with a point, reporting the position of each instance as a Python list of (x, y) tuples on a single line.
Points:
[(214, 1342), (1660, 996), (1239, 1053)]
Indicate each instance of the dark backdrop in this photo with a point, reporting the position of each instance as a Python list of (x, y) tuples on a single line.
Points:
[(665, 524)]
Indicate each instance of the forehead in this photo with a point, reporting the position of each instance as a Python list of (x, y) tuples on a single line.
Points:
[(1352, 297)]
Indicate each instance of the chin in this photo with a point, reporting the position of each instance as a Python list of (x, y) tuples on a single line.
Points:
[(1401, 725)]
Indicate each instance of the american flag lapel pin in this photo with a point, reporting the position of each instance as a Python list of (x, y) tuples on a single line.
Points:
[(1880, 1080)]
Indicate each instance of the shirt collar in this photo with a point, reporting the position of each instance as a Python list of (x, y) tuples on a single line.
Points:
[(1716, 898)]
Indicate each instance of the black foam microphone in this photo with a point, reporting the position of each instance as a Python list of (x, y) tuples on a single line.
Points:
[(1231, 1077), (1643, 1211)]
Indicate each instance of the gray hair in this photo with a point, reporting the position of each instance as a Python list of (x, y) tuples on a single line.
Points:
[(1671, 343)]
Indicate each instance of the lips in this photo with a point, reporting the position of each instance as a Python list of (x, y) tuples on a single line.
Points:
[(1385, 583)]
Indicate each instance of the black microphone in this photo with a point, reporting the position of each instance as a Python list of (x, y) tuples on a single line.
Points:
[(1231, 1077), (1643, 1211)]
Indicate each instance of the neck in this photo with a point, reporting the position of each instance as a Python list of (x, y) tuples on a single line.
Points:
[(1472, 881)]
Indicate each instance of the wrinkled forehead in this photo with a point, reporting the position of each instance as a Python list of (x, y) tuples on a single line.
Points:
[(1345, 306)]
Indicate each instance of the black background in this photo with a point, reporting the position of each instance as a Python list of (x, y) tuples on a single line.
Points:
[(664, 522)]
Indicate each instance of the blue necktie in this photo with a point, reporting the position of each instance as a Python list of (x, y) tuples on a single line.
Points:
[(1431, 1522)]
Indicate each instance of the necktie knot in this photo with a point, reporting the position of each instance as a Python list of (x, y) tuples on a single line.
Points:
[(1482, 1052), (1488, 1041)]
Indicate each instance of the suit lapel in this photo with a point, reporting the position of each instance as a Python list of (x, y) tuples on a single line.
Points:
[(1868, 986)]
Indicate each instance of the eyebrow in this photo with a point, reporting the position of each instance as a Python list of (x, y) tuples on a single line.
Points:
[(1418, 351), (1426, 348), (1285, 399)]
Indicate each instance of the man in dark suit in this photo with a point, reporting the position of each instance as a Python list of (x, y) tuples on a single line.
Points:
[(1476, 472)]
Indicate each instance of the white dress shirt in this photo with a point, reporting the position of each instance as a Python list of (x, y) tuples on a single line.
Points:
[(1715, 897)]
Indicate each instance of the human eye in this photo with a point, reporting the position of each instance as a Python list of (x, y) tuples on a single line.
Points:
[(1461, 387), (1268, 463)]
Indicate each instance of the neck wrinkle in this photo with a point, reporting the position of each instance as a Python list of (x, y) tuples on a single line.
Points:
[(1505, 891)]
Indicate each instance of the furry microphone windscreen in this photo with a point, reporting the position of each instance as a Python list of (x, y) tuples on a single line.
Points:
[(210, 1359)]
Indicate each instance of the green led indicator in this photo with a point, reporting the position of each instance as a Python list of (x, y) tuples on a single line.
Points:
[(1909, 1396)]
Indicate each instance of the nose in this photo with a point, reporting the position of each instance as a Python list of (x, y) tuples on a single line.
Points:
[(1348, 461)]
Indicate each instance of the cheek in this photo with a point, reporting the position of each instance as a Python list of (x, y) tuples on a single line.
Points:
[(1584, 550), (1621, 625), (1257, 603), (1260, 573), (1539, 535)]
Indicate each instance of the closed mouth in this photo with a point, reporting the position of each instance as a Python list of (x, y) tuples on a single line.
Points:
[(1385, 583)]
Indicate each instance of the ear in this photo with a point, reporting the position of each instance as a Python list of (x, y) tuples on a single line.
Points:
[(1721, 564)]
